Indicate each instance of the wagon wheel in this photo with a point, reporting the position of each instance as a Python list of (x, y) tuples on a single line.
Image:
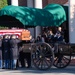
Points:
[(62, 59), (42, 56)]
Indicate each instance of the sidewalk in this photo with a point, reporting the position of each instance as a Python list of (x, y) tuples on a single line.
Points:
[(70, 70)]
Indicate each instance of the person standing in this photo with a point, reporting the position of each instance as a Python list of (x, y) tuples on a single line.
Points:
[(14, 51), (58, 40), (25, 55), (6, 51), (50, 36), (0, 52)]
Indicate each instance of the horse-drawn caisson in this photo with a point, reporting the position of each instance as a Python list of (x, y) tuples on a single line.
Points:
[(42, 54)]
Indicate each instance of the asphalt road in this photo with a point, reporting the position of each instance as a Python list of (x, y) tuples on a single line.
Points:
[(70, 70)]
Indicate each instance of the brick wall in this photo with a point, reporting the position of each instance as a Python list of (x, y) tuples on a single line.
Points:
[(22, 2), (45, 2), (58, 1)]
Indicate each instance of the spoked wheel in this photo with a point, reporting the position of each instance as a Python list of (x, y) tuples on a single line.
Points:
[(42, 56), (63, 58)]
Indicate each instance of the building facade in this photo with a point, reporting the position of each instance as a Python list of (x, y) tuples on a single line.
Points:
[(32, 2), (42, 4)]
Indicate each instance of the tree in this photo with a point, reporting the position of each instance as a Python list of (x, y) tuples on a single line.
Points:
[(3, 3)]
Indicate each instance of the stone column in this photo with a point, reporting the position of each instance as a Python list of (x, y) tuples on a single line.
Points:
[(38, 4), (71, 21), (14, 2), (30, 4)]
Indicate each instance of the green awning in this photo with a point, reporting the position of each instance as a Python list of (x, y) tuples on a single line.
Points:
[(51, 15)]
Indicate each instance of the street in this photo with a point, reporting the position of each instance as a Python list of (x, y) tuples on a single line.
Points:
[(70, 70)]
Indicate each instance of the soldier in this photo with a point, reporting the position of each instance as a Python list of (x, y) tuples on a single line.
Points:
[(14, 51), (0, 52), (6, 51)]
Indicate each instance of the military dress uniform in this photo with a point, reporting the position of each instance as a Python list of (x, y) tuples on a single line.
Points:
[(25, 54), (14, 51), (6, 52)]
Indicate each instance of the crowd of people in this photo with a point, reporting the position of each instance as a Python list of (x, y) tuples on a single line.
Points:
[(51, 37), (8, 51), (11, 52), (11, 48)]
